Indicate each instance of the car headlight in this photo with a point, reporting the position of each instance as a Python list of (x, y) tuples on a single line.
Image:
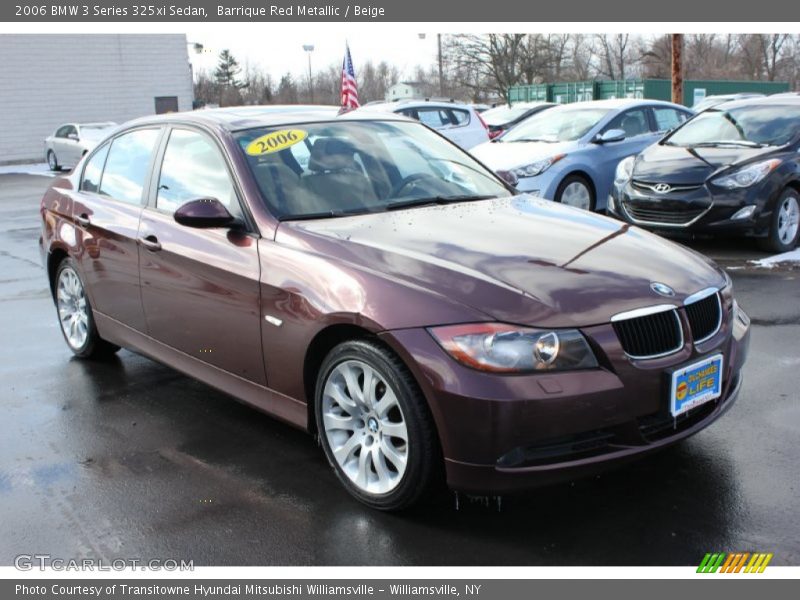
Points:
[(538, 167), (624, 171), (747, 176), (501, 348)]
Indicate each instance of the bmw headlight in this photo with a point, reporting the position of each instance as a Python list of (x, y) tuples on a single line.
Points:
[(501, 348), (538, 167), (747, 176), (624, 171)]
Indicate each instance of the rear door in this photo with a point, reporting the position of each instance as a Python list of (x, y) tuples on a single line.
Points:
[(106, 210), (200, 287)]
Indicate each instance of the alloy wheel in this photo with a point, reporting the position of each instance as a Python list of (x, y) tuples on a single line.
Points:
[(365, 427), (788, 219), (577, 194), (72, 309)]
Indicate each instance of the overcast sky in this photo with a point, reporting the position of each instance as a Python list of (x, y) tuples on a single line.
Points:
[(280, 52)]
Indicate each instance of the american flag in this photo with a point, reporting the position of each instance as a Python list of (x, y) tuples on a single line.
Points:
[(349, 86)]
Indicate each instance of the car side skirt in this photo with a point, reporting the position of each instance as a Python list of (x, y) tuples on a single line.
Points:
[(280, 406)]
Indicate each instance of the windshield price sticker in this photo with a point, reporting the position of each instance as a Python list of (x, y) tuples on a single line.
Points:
[(275, 141)]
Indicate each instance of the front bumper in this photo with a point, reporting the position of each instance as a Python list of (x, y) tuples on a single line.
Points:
[(708, 211), (501, 433)]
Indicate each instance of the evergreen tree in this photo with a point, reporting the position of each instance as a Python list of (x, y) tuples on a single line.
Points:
[(227, 70)]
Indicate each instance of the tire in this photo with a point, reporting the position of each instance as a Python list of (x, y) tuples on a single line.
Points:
[(784, 227), (52, 161), (363, 442), (565, 195), (75, 316)]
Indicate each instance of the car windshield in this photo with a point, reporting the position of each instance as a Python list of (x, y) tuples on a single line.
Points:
[(503, 114), (565, 124), (330, 169), (753, 125)]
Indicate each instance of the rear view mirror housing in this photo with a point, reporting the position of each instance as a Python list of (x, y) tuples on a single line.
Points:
[(204, 213), (612, 135)]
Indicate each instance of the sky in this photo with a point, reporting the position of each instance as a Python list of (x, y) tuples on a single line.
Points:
[(278, 52)]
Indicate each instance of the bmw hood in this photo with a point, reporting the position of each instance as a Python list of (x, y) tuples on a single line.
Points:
[(519, 260), (510, 155)]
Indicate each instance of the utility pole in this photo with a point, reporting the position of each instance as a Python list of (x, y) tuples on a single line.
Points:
[(309, 48), (677, 68), (441, 70)]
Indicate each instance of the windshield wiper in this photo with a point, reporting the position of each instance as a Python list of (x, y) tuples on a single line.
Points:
[(532, 140), (743, 143), (436, 200)]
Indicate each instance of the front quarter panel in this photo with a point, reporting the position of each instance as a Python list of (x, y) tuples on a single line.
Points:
[(307, 292)]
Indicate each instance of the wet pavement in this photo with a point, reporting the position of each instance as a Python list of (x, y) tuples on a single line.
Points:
[(129, 459)]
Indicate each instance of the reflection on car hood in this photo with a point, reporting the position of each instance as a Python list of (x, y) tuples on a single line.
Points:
[(519, 259), (510, 155), (689, 166)]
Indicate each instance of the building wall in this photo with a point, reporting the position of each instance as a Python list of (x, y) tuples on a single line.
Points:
[(402, 91), (47, 80)]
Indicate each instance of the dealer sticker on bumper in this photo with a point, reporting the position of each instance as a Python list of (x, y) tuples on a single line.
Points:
[(695, 384)]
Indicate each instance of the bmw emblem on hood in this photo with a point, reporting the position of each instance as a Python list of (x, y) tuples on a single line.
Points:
[(662, 289)]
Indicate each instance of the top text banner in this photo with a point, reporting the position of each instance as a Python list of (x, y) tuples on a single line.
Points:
[(394, 11)]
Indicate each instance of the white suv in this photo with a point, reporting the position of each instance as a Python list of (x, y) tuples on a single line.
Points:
[(460, 123)]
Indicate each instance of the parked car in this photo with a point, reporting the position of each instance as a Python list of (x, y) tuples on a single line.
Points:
[(71, 141), (392, 297), (569, 153), (460, 123), (502, 118), (731, 169), (716, 100)]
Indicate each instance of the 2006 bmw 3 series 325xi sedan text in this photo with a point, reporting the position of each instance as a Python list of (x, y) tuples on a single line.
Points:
[(359, 276)]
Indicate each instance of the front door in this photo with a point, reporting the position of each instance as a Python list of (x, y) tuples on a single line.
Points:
[(200, 287)]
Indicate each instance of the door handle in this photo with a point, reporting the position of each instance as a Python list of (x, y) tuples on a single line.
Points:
[(83, 220), (150, 242)]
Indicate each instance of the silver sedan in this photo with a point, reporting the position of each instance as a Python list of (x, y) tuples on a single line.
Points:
[(66, 147)]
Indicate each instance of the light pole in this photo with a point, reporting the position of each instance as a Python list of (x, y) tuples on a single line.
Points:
[(422, 36), (309, 48)]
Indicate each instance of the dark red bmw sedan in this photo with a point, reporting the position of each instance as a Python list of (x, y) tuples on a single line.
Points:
[(359, 276)]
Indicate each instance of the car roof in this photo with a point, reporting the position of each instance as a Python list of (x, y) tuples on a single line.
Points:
[(248, 117), (397, 104), (622, 103), (778, 99)]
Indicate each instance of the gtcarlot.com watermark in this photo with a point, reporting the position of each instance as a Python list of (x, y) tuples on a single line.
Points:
[(42, 562)]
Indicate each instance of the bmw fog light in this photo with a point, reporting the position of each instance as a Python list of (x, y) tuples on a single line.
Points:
[(744, 213)]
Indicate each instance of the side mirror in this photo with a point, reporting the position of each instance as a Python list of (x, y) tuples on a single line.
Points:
[(612, 135), (72, 136), (204, 213)]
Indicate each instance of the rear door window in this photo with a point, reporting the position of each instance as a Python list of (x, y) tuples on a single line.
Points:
[(94, 170), (433, 117), (668, 118), (459, 117), (633, 122), (128, 164)]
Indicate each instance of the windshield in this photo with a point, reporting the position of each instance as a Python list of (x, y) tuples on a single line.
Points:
[(556, 125), (754, 125), (341, 168), (504, 114)]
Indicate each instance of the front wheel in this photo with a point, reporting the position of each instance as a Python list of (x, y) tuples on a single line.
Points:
[(576, 191), (52, 161), (75, 314), (375, 427), (784, 227)]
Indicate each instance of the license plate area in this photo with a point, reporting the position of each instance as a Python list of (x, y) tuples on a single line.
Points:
[(696, 384)]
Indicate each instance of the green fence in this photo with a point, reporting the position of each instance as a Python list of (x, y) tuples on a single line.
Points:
[(654, 89)]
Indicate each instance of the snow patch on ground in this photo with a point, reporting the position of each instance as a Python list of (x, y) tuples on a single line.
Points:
[(30, 169), (793, 256)]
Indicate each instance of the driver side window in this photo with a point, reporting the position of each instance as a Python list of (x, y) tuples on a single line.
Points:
[(633, 122), (194, 168)]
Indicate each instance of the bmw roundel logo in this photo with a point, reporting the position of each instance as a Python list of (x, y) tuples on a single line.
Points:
[(662, 289), (662, 188)]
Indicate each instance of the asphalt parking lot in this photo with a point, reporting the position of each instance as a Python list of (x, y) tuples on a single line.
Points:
[(129, 459)]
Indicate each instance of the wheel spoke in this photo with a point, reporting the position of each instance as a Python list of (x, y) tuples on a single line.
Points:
[(384, 404), (335, 393), (396, 430), (397, 459), (379, 461), (339, 422), (353, 389), (362, 478), (345, 451)]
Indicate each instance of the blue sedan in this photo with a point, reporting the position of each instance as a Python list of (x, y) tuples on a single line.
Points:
[(569, 153)]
